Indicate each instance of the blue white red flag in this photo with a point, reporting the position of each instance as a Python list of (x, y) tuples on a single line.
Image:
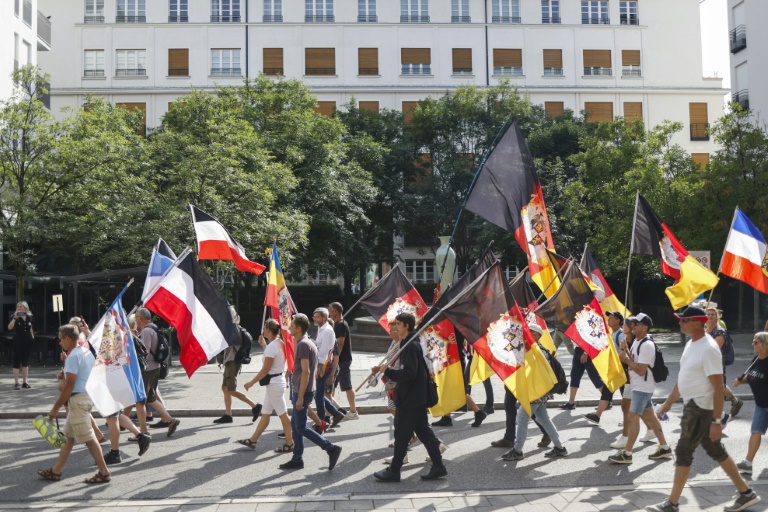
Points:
[(744, 257), (162, 259)]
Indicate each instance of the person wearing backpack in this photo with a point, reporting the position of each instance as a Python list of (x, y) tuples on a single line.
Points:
[(724, 341), (640, 359), (234, 357)]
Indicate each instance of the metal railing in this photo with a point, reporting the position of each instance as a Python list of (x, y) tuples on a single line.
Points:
[(272, 18), (228, 18), (738, 38), (506, 19), (417, 69), (699, 131), (368, 71), (742, 98), (598, 71), (461, 19), (28, 13), (178, 71), (367, 18), (414, 19), (629, 19), (550, 19), (178, 19), (93, 19), (321, 18), (320, 71), (461, 72), (273, 71), (553, 71), (631, 71), (130, 72), (43, 28), (595, 20), (226, 72), (121, 18), (90, 73), (502, 71)]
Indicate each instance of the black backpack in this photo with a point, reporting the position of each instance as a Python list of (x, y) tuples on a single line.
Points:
[(141, 352), (562, 381), (243, 355), (659, 370), (730, 353), (163, 349)]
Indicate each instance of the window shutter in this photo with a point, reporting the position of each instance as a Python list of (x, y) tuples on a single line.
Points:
[(700, 160), (320, 61), (408, 107), (553, 59), (462, 60), (372, 106), (178, 61), (367, 61), (507, 58), (597, 58), (137, 106), (554, 108), (273, 61), (633, 110), (326, 108), (416, 56), (698, 112), (599, 111), (630, 57)]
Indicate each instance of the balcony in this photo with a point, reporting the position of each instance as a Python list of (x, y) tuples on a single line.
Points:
[(631, 71), (225, 18), (738, 38), (368, 71), (272, 18), (320, 18), (742, 98), (554, 20), (504, 71), (553, 71), (93, 73), (629, 19), (178, 19), (461, 19), (93, 19), (130, 72), (178, 71), (595, 20), (699, 131), (27, 13), (226, 72), (598, 71), (43, 32), (416, 69), (414, 19), (367, 18), (506, 19), (122, 18)]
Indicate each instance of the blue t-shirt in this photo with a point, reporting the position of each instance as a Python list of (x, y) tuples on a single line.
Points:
[(79, 362)]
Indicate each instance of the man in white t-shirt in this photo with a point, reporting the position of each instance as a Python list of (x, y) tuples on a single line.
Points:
[(325, 340), (700, 383), (640, 359)]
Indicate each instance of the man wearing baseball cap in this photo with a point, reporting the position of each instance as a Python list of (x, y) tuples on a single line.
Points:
[(700, 383)]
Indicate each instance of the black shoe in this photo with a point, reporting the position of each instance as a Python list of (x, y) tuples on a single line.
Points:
[(568, 406), (445, 421), (387, 475), (224, 419), (292, 464), (161, 424), (281, 435), (333, 457), (150, 419), (144, 440), (336, 420), (592, 418), (435, 472), (113, 457), (479, 417), (173, 426), (256, 410), (488, 409)]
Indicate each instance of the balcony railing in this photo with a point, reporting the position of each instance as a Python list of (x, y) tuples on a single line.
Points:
[(699, 131), (320, 71), (178, 71), (553, 71), (273, 71), (631, 71), (130, 72), (738, 37), (272, 18), (595, 20), (320, 18), (367, 18), (598, 71), (43, 28), (94, 19), (122, 18), (368, 71), (226, 18), (178, 19), (28, 13), (502, 71), (742, 98), (629, 19), (226, 72), (414, 19), (416, 69), (506, 19), (91, 73), (461, 72), (461, 19), (550, 19)]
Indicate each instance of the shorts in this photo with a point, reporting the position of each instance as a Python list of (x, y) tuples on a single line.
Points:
[(231, 369), (694, 431), (760, 420), (274, 398), (627, 391), (344, 379), (78, 424), (640, 402), (151, 378)]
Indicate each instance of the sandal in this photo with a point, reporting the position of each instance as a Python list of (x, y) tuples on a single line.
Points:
[(286, 448), (98, 478), (49, 474), (247, 442)]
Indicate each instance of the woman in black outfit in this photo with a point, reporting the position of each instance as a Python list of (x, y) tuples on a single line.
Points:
[(23, 337)]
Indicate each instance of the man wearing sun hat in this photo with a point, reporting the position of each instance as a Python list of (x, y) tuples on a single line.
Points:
[(700, 383)]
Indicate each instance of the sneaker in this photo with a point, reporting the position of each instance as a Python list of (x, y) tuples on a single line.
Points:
[(333, 457), (568, 406), (26, 386), (292, 465), (150, 419), (743, 501), (661, 453), (592, 418), (726, 417), (745, 467), (649, 437), (113, 457), (545, 441), (445, 421), (512, 455), (16, 386), (621, 457), (161, 424), (620, 443), (557, 452), (664, 506), (351, 416), (224, 419), (479, 417), (488, 409), (172, 427), (388, 460), (336, 420), (736, 404), (144, 441)]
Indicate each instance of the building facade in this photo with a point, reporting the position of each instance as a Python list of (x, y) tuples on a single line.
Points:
[(24, 31), (748, 61)]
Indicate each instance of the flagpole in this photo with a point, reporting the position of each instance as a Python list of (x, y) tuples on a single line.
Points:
[(175, 264), (631, 248), (366, 294), (730, 230), (518, 276), (370, 374)]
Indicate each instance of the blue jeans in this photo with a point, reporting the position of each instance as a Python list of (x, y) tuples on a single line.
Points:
[(300, 429), (640, 402), (542, 418), (322, 403)]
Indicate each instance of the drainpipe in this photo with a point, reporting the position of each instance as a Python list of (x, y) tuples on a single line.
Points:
[(487, 74)]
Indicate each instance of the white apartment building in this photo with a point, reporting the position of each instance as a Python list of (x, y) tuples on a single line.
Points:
[(24, 31), (748, 60)]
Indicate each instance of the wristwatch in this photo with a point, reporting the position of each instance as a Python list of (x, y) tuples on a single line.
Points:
[(717, 421)]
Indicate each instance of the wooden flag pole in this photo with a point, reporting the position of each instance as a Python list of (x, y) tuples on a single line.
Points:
[(631, 248), (370, 374), (518, 276)]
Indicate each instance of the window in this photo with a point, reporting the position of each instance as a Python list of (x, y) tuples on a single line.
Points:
[(16, 7), (699, 121), (416, 61), (507, 62), (595, 13), (273, 11), (460, 11), (550, 11), (370, 106), (553, 62), (130, 63), (630, 63), (462, 61), (141, 107), (225, 11), (633, 110), (408, 108), (178, 62), (319, 11), (273, 61), (225, 62), (368, 61), (94, 11), (15, 51), (700, 160), (178, 11), (93, 63), (597, 63), (366, 11), (628, 13), (414, 11), (325, 108), (599, 111), (506, 11), (738, 36), (131, 11), (27, 53), (420, 271), (320, 61), (554, 108)]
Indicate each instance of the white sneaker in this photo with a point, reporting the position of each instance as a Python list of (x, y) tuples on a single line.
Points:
[(620, 443), (648, 437), (442, 447), (388, 460), (351, 415)]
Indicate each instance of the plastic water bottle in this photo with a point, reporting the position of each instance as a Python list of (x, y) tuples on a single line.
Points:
[(657, 409)]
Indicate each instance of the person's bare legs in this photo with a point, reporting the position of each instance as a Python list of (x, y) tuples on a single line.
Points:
[(286, 422), (351, 400), (25, 373), (650, 419), (98, 456), (754, 444), (261, 426), (96, 431), (64, 454)]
